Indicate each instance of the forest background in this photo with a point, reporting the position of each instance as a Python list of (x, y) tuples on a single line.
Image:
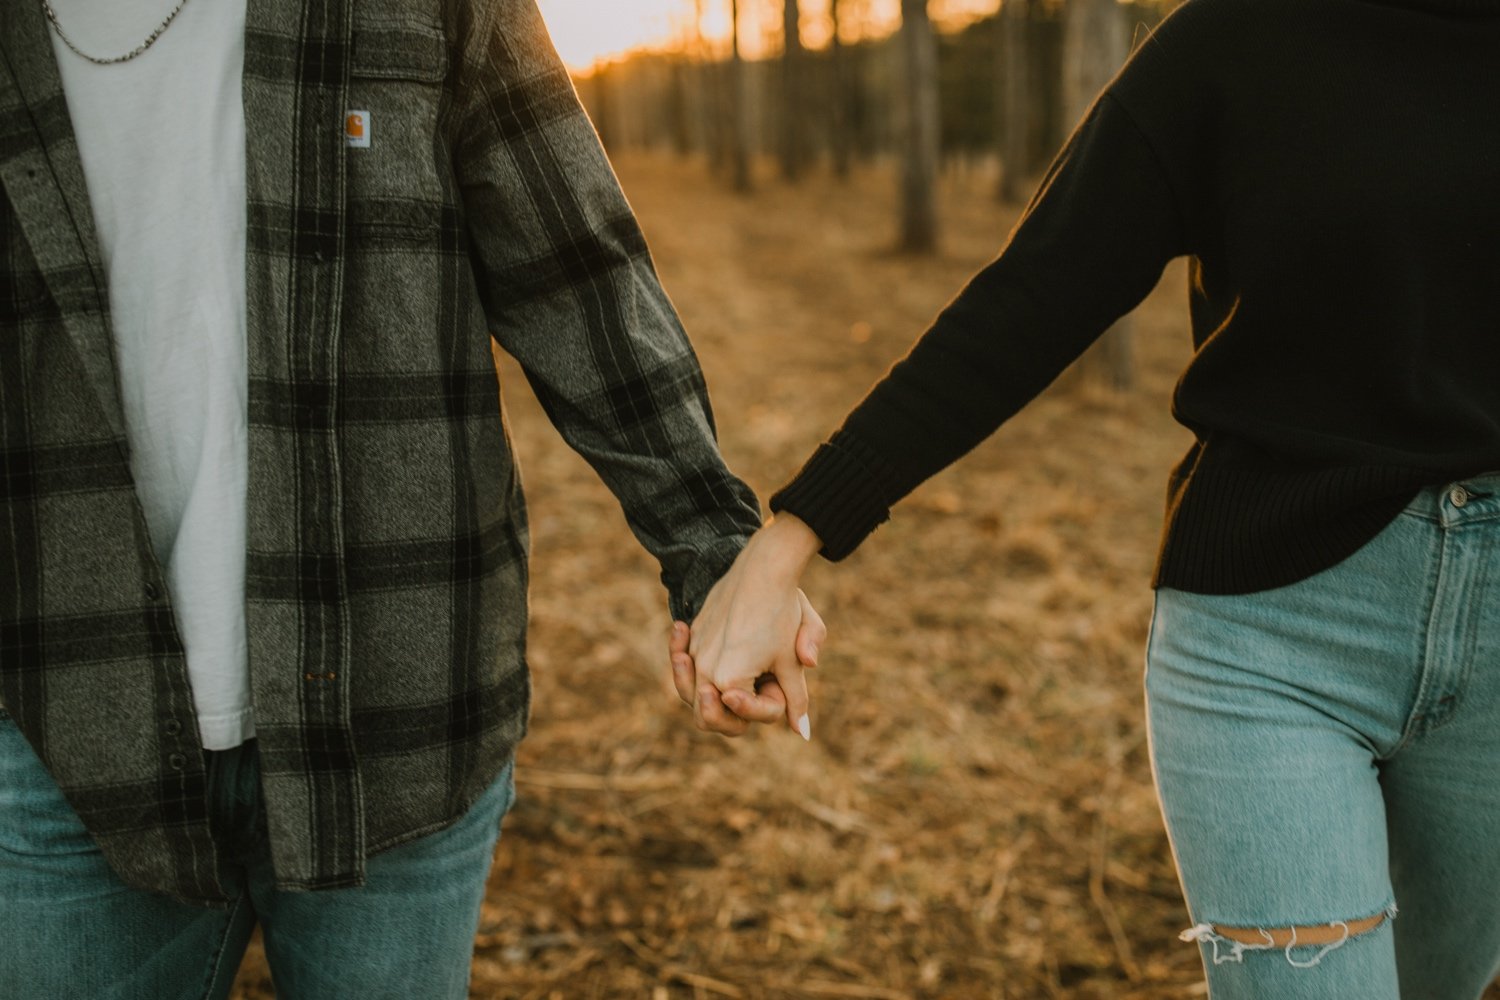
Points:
[(974, 816)]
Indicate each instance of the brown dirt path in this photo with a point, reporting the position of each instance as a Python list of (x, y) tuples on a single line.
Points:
[(974, 817)]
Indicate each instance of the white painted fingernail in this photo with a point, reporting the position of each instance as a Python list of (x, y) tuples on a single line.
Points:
[(805, 728)]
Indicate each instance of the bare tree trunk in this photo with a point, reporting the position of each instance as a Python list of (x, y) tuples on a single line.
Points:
[(919, 224), (1096, 40), (1015, 98), (604, 109), (681, 106), (739, 124), (706, 72), (793, 115), (842, 140)]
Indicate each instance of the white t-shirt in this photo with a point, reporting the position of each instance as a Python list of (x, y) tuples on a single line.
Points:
[(162, 140)]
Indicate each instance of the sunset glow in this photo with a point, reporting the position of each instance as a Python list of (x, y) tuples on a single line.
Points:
[(587, 32)]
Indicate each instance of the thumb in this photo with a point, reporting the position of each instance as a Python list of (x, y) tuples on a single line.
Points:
[(678, 641), (810, 634), (767, 704), (684, 676), (792, 678)]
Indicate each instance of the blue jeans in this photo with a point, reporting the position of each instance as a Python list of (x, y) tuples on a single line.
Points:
[(1330, 750), (70, 928)]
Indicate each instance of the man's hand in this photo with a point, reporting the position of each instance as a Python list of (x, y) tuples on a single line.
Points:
[(743, 659)]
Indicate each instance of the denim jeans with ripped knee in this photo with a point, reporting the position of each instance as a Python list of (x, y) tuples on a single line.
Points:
[(1329, 751)]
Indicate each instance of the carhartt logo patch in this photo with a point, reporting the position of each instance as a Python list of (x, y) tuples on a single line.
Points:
[(357, 128)]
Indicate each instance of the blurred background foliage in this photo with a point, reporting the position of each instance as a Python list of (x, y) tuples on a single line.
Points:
[(916, 89)]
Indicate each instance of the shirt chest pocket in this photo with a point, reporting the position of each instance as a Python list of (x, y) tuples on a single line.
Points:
[(391, 124)]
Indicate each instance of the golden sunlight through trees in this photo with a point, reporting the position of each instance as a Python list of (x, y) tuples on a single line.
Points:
[(590, 31)]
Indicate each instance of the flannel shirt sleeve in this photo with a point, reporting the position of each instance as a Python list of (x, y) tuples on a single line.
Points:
[(570, 291)]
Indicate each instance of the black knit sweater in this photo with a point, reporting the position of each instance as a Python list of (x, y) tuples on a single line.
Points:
[(1332, 170)]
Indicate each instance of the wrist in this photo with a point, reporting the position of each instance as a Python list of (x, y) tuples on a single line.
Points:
[(784, 547)]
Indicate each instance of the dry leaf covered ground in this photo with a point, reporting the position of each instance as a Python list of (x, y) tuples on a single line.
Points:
[(973, 818)]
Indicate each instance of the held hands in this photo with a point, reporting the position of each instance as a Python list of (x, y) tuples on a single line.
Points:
[(743, 659)]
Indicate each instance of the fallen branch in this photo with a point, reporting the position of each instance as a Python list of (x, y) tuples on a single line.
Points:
[(820, 988), (583, 782), (676, 973), (844, 822)]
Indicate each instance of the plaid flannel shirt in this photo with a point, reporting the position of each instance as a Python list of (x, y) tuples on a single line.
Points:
[(387, 545)]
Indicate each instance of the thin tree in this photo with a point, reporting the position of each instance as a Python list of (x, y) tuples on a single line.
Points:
[(793, 95), (680, 102), (710, 97), (1096, 40), (604, 108), (841, 138), (920, 123), (739, 121), (1015, 97)]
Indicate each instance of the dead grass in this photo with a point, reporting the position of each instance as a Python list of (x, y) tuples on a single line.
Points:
[(974, 818)]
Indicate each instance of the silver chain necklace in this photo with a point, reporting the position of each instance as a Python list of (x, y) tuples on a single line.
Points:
[(52, 16)]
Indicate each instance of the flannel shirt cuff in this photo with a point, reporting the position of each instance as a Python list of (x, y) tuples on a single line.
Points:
[(713, 561)]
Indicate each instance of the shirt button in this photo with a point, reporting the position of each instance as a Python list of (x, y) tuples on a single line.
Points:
[(1458, 496), (152, 591), (177, 762), (172, 727)]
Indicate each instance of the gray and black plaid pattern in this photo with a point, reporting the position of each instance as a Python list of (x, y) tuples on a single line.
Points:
[(387, 545)]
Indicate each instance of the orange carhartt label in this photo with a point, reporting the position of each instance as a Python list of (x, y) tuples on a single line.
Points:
[(357, 128)]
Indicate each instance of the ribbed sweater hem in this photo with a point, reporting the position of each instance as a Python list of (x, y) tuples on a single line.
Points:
[(1238, 531)]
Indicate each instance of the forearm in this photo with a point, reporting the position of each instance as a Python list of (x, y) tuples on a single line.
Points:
[(570, 291), (1090, 247)]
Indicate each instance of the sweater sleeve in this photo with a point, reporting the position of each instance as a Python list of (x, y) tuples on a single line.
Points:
[(1092, 244)]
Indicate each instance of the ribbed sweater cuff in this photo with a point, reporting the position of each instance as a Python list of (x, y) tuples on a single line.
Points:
[(840, 493)]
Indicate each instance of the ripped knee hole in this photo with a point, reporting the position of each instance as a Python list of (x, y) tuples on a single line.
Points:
[(1230, 943)]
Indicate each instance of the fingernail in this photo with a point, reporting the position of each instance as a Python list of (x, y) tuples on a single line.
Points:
[(678, 628), (805, 728)]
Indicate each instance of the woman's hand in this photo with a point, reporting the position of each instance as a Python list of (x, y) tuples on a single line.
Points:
[(756, 628)]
